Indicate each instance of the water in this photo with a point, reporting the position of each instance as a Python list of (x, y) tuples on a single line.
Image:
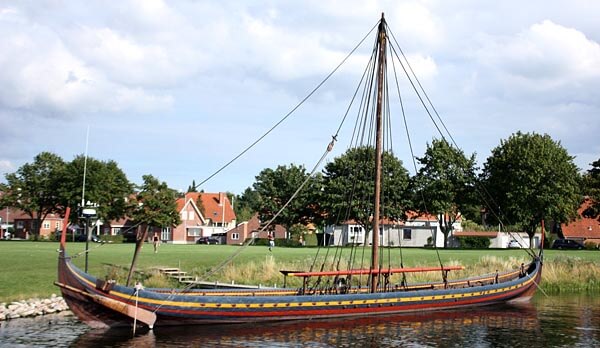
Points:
[(557, 321)]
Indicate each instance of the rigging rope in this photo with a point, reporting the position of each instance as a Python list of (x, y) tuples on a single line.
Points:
[(289, 113)]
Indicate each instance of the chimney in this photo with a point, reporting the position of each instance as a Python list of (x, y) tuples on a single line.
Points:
[(221, 198)]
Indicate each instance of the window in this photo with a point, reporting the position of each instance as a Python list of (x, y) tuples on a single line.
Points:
[(57, 224), (356, 234), (235, 236), (194, 232), (407, 234), (183, 215), (116, 231), (46, 225), (165, 234), (20, 224)]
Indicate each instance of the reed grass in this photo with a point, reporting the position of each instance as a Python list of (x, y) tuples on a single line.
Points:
[(571, 274)]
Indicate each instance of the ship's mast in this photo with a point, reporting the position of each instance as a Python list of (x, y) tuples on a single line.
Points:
[(382, 43)]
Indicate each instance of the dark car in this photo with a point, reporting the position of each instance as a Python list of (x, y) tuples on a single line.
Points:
[(566, 244), (83, 237), (208, 240)]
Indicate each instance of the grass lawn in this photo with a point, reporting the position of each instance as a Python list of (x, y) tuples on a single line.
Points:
[(30, 268)]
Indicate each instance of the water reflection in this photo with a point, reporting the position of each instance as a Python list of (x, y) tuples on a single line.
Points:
[(558, 321), (475, 327)]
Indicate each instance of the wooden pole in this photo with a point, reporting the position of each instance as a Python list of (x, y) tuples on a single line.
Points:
[(378, 155)]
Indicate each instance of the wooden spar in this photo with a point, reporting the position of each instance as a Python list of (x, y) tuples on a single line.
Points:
[(378, 155), (63, 236), (139, 242), (377, 271)]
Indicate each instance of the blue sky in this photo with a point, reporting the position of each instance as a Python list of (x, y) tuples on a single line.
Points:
[(175, 89)]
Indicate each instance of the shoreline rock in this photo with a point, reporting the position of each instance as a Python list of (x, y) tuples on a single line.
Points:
[(32, 307)]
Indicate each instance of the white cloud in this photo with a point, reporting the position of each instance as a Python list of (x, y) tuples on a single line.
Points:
[(42, 75), (546, 56), (6, 166)]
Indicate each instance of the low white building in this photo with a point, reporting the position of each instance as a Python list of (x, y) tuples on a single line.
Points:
[(417, 231), (499, 239)]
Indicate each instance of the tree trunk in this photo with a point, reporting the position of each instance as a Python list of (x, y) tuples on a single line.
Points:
[(139, 242)]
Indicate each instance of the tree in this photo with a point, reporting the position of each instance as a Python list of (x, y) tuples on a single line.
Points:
[(245, 204), (274, 188), (192, 187), (591, 188), (33, 188), (532, 178), (445, 184), (156, 206), (105, 184), (348, 188)]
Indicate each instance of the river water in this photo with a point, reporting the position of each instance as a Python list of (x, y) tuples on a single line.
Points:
[(556, 321)]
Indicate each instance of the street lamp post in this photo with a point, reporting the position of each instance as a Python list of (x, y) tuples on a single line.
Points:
[(88, 212)]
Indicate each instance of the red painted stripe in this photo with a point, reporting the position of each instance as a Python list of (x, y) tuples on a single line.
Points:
[(376, 271)]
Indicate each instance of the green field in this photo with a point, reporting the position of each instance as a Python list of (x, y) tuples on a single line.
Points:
[(29, 268)]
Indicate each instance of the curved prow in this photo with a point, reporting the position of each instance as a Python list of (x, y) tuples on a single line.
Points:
[(541, 254), (63, 236)]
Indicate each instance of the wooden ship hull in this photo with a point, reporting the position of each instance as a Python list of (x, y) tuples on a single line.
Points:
[(102, 304)]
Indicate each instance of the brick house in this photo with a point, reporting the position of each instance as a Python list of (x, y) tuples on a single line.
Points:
[(24, 225), (586, 228), (251, 228), (202, 215)]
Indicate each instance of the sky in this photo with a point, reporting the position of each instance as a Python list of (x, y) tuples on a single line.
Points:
[(176, 89)]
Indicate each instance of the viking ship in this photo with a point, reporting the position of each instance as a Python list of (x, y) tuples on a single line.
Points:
[(324, 293)]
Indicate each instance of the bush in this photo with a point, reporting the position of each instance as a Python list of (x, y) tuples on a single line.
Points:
[(591, 245), (474, 242), (111, 239), (278, 242)]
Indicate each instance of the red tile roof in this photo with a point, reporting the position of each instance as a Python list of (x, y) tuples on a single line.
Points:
[(212, 208), (584, 227), (13, 213)]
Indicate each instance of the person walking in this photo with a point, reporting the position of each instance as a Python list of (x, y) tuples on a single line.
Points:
[(155, 242), (271, 237)]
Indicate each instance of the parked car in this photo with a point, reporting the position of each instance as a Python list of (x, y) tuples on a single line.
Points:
[(208, 240), (514, 244), (82, 237), (567, 244)]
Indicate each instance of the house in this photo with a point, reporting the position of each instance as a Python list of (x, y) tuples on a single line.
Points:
[(251, 228), (24, 225), (7, 218), (417, 231), (202, 215), (499, 239), (586, 228)]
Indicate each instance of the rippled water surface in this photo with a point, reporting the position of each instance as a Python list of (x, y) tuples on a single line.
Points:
[(557, 321)]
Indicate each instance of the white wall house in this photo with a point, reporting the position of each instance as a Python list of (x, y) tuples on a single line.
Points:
[(499, 239), (412, 233)]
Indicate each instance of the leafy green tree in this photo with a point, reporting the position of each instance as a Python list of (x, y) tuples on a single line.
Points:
[(273, 189), (245, 203), (444, 185), (156, 206), (105, 184), (192, 187), (591, 188), (33, 188), (532, 178), (348, 188)]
